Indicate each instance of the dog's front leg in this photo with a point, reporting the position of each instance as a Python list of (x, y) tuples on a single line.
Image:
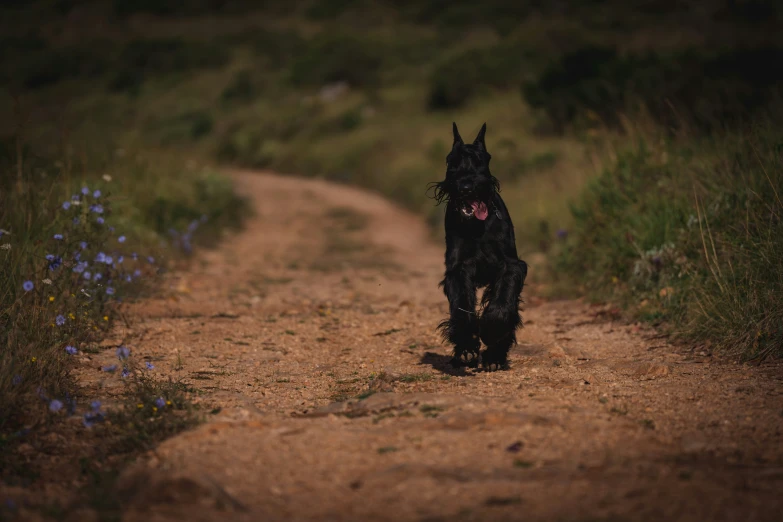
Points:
[(500, 319), (461, 329)]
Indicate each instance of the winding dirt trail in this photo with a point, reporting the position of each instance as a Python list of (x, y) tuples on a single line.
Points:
[(337, 402)]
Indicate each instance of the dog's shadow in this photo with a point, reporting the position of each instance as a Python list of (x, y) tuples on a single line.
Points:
[(442, 363)]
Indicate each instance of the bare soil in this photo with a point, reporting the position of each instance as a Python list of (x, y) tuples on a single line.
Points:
[(311, 335)]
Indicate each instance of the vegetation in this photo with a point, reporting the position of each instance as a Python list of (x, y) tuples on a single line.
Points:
[(679, 222)]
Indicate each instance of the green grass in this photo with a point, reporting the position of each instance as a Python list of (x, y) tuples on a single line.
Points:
[(687, 231)]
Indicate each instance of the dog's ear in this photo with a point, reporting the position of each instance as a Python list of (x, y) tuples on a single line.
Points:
[(479, 141), (457, 137)]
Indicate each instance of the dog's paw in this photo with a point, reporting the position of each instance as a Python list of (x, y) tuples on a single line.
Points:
[(494, 362), (466, 358)]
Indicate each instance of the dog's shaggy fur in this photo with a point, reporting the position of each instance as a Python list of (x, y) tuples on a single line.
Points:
[(480, 252)]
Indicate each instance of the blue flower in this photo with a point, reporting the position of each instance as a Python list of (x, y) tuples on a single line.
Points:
[(97, 277), (137, 273), (151, 259), (85, 190), (76, 221), (108, 260), (55, 406), (66, 205), (150, 366), (90, 419), (98, 209), (125, 372), (70, 350), (27, 286), (109, 368), (110, 291), (96, 194), (99, 221), (58, 237), (59, 320), (120, 259), (77, 256), (123, 352), (80, 266), (87, 275), (135, 256), (95, 405), (111, 229), (49, 257), (55, 263), (121, 239), (75, 197), (128, 278), (82, 244), (17, 380), (100, 258), (160, 402)]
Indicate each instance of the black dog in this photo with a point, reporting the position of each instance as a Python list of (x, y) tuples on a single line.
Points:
[(480, 252)]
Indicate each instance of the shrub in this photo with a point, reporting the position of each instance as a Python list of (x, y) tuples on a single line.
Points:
[(713, 89), (460, 77), (141, 59), (336, 57), (690, 234)]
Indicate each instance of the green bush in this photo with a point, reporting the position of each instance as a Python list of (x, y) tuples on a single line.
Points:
[(142, 59), (715, 89), (338, 57), (691, 234), (460, 77)]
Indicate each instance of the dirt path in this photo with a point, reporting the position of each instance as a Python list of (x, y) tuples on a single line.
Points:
[(337, 402)]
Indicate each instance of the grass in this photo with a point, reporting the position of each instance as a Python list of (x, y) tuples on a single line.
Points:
[(686, 231), (83, 233)]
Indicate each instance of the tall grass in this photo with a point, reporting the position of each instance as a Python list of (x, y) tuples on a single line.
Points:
[(73, 247), (687, 231)]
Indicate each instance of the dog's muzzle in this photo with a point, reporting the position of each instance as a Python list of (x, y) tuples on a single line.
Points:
[(476, 209)]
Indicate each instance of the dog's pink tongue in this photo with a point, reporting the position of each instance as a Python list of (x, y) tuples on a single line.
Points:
[(479, 210)]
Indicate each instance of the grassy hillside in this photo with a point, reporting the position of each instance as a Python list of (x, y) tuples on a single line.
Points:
[(364, 91)]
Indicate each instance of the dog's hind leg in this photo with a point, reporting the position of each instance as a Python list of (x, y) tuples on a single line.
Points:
[(461, 328), (500, 319)]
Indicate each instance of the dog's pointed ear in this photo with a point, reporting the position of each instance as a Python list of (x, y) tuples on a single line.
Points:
[(479, 141), (457, 137)]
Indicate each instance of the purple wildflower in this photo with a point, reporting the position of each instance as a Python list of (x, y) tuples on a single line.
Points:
[(82, 244), (121, 239), (66, 205), (55, 263), (150, 366), (59, 320), (128, 278), (80, 267), (123, 352), (135, 256), (98, 209), (55, 406), (108, 260), (110, 291), (76, 221), (151, 259), (92, 418), (96, 194), (120, 259), (27, 286), (137, 273), (100, 258), (87, 274), (58, 237), (125, 372), (97, 276), (99, 221), (95, 405), (70, 350), (160, 402), (85, 190), (109, 368)]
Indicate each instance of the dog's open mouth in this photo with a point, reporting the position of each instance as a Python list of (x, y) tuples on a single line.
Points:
[(476, 209)]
